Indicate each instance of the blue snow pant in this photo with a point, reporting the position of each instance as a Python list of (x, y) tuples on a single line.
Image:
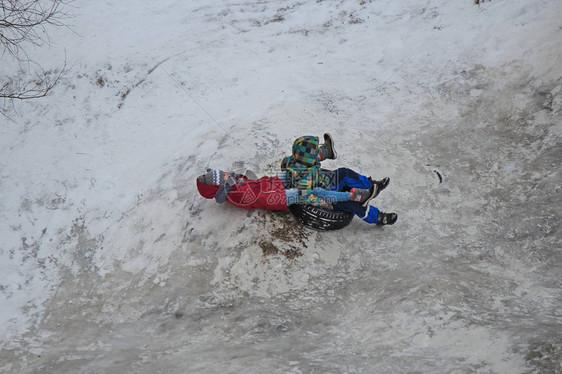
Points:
[(344, 178), (367, 213)]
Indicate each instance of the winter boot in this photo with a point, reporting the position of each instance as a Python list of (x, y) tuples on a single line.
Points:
[(360, 195), (381, 185), (327, 150), (386, 219)]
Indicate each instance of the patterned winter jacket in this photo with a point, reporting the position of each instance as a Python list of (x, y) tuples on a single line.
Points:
[(303, 169)]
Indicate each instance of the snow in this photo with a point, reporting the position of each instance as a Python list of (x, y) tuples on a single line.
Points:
[(111, 262)]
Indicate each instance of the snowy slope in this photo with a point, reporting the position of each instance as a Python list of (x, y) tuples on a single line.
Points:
[(111, 262)]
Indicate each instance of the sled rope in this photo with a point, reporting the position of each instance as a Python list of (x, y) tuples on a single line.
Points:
[(374, 93), (202, 108)]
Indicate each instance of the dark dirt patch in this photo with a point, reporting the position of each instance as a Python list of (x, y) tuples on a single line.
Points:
[(290, 231), (292, 254), (276, 18), (289, 236), (546, 357), (268, 248)]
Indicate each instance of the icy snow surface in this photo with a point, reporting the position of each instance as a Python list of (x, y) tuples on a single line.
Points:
[(110, 262)]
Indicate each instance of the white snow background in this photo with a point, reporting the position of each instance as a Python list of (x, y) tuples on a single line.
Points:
[(110, 261)]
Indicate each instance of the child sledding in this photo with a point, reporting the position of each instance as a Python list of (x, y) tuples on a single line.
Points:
[(301, 183)]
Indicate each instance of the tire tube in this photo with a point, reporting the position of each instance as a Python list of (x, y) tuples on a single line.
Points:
[(318, 218)]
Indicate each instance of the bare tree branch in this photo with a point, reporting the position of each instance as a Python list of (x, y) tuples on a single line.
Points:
[(25, 22), (39, 87)]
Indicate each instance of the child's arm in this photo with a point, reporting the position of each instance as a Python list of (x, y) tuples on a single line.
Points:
[(225, 187), (305, 187)]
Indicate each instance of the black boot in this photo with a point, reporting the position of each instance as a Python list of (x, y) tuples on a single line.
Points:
[(381, 185), (386, 218), (327, 149)]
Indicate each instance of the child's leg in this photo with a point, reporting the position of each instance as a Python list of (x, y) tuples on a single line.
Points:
[(331, 196), (346, 178), (292, 195), (368, 214)]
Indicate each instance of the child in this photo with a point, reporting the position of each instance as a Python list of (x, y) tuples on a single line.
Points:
[(303, 171), (270, 193), (319, 196)]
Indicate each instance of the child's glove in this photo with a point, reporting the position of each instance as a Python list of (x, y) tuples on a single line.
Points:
[(225, 188)]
